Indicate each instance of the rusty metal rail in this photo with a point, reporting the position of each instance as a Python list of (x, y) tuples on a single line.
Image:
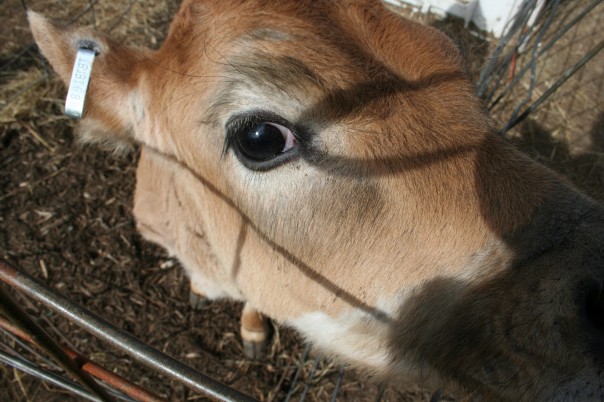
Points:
[(11, 309), (45, 375), (118, 338), (132, 390)]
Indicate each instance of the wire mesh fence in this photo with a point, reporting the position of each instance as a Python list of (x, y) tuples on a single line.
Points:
[(537, 71), (526, 69)]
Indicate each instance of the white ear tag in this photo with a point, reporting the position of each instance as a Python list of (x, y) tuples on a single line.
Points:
[(78, 86)]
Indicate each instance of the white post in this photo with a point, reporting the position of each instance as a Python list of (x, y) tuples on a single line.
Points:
[(488, 15)]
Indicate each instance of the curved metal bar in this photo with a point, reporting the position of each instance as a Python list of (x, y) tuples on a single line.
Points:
[(52, 378), (110, 378), (22, 320), (120, 339)]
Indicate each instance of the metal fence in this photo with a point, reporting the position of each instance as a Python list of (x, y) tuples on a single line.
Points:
[(517, 78)]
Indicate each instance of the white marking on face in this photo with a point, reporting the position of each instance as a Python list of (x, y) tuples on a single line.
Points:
[(351, 335), (138, 107)]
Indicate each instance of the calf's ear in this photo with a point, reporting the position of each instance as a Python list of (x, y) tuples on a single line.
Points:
[(114, 101)]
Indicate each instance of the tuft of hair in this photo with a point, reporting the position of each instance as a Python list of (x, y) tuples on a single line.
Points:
[(92, 132)]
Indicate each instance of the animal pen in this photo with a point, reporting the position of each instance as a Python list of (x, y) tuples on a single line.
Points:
[(69, 245)]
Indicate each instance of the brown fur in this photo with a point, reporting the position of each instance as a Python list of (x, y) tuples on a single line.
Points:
[(405, 237)]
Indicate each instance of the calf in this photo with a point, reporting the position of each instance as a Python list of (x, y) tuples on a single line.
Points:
[(329, 164)]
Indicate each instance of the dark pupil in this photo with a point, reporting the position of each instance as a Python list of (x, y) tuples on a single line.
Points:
[(261, 142)]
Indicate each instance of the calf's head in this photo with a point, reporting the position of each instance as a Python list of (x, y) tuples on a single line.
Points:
[(329, 163)]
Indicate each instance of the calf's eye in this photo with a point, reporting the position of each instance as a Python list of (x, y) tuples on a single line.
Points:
[(264, 141)]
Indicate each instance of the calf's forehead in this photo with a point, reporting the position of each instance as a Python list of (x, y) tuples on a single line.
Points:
[(308, 59), (341, 37)]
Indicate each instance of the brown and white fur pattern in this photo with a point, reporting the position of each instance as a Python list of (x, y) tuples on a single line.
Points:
[(400, 233)]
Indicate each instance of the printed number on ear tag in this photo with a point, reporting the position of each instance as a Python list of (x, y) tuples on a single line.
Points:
[(78, 86)]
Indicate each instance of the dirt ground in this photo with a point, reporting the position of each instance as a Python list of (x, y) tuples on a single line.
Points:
[(66, 217)]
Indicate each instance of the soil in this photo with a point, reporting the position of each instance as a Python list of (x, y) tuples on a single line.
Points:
[(66, 218)]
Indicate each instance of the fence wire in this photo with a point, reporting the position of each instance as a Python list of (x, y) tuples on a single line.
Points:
[(102, 329), (516, 80), (521, 71)]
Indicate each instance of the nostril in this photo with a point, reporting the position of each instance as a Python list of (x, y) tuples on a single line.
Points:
[(594, 308)]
